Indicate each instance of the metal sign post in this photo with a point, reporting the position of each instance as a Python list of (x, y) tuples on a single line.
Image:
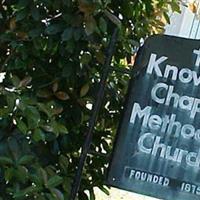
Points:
[(95, 111)]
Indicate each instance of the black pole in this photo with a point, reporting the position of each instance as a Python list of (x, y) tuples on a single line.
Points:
[(95, 112)]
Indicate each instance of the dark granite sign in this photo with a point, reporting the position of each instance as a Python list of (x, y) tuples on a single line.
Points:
[(157, 150)]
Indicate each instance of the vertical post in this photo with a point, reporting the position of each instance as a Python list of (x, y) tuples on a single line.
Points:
[(95, 112)]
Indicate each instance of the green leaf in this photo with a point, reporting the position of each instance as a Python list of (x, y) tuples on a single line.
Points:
[(21, 126), (84, 90), (90, 25), (27, 159), (77, 34), (43, 174), (35, 13), (21, 174), (103, 25), (23, 3), (19, 64), (44, 93), (166, 16), (104, 189), (67, 2), (67, 185), (54, 181), (35, 32), (27, 191), (86, 58), (67, 34), (21, 105), (14, 147), (5, 160), (21, 15), (44, 108), (19, 194), (62, 128), (9, 173), (175, 7), (92, 195), (128, 8), (49, 196), (33, 117), (15, 81), (4, 112), (100, 57), (57, 194), (64, 163), (58, 128), (11, 98), (38, 135), (53, 29)]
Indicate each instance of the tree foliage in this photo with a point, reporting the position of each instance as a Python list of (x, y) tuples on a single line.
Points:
[(51, 56)]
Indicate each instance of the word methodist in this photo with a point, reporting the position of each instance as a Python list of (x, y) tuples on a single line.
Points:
[(157, 150)]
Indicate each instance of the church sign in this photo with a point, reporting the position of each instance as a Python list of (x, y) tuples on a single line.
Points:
[(157, 150)]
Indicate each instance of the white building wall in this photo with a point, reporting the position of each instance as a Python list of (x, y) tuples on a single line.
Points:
[(185, 25)]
